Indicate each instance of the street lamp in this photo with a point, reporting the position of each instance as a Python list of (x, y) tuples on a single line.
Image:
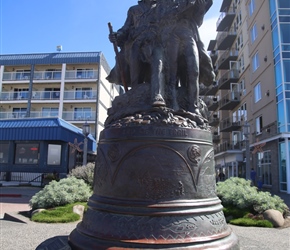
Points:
[(86, 132), (246, 132)]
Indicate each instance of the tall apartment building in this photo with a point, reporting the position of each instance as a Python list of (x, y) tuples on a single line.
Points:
[(251, 55), (71, 86)]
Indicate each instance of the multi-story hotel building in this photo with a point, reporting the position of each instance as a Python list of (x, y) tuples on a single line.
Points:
[(44, 101), (251, 56), (71, 86)]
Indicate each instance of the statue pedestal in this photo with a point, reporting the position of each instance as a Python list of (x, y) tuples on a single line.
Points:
[(154, 189)]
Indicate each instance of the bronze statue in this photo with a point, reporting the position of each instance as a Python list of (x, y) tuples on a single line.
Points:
[(154, 179), (162, 46), (125, 37)]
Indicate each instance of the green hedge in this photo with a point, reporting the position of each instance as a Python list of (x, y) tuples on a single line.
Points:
[(66, 191), (238, 192), (85, 173)]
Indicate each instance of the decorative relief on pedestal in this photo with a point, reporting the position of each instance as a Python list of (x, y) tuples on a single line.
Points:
[(161, 188), (218, 221), (173, 228), (194, 154), (206, 187), (201, 164), (114, 152), (101, 170), (162, 184)]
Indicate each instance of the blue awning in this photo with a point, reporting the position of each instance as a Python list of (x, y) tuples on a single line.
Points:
[(42, 129)]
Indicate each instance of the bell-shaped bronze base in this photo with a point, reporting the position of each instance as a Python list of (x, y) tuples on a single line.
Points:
[(154, 189)]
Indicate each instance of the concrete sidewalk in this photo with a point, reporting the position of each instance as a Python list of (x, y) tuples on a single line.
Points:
[(16, 198), (24, 234)]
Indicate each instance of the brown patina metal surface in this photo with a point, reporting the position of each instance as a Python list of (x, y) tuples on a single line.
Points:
[(154, 188), (154, 183)]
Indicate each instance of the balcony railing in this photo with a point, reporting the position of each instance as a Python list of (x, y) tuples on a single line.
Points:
[(226, 57), (226, 146), (216, 138), (47, 75), (50, 75), (12, 115), (225, 19), (225, 5), (48, 95), (79, 116), (45, 95), (16, 76), (81, 74), (231, 76), (214, 120), (267, 131), (230, 100), (229, 124), (80, 95), (7, 96), (67, 115), (225, 39)]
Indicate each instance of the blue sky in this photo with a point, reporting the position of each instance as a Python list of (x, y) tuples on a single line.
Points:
[(37, 26)]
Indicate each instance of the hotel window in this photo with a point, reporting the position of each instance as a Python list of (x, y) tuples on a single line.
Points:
[(83, 93), (22, 74), (19, 112), (259, 125), (284, 4), (264, 167), (53, 74), (255, 62), (241, 64), (49, 112), (254, 33), (4, 151), (85, 73), (238, 21), (258, 94), (243, 87), (283, 165), (242, 112), (286, 70), (83, 113), (51, 93), (240, 42), (27, 153), (20, 94), (252, 7)]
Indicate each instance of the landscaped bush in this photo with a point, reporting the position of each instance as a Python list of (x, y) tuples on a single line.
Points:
[(85, 173), (66, 191), (238, 192), (234, 212)]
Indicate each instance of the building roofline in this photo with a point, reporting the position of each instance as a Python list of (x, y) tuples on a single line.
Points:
[(50, 58)]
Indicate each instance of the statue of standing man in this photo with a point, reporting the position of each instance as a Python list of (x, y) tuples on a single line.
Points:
[(160, 44)]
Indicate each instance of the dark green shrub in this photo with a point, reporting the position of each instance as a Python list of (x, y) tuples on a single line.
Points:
[(60, 193), (234, 212), (238, 192), (85, 173)]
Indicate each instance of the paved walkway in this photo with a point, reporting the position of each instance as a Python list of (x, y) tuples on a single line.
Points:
[(27, 235)]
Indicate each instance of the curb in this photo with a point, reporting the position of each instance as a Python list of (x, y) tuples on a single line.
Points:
[(11, 195)]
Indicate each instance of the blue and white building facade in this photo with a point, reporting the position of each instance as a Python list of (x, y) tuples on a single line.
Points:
[(45, 99), (251, 56), (280, 26)]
